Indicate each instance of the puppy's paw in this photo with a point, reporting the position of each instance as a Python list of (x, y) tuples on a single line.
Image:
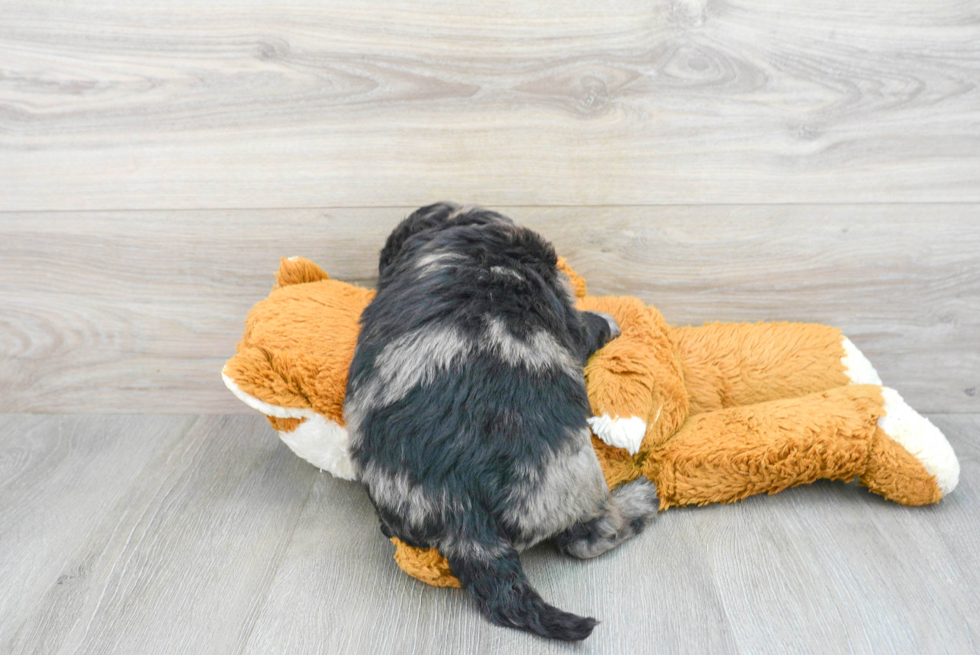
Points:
[(614, 330), (603, 327), (638, 502)]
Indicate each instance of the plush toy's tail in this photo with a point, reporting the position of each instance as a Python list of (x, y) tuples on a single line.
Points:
[(495, 579)]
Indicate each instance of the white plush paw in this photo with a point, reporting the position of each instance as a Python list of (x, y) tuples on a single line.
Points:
[(625, 433), (921, 439), (856, 365)]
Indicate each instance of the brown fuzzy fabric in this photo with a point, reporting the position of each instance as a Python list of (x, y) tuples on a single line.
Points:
[(893, 473), (638, 373), (730, 454), (299, 342), (731, 409), (734, 364), (426, 565), (284, 424)]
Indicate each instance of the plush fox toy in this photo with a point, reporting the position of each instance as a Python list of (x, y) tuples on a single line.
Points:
[(711, 414)]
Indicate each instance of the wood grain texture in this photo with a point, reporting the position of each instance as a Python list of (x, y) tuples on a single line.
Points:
[(137, 312), (178, 564), (720, 159), (190, 535), (835, 569), (384, 611), (243, 104), (60, 478)]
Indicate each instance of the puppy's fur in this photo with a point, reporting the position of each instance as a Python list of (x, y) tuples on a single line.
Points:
[(466, 408)]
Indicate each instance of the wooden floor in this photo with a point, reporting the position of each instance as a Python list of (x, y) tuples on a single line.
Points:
[(204, 534), (722, 160)]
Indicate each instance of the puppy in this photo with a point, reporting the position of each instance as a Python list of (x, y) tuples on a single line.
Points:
[(466, 409)]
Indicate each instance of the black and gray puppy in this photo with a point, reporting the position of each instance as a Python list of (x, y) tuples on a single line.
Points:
[(466, 409)]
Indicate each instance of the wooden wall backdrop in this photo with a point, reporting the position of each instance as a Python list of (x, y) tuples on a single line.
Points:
[(739, 160)]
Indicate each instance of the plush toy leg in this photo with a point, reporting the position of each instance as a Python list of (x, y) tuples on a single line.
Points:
[(838, 434), (731, 364), (424, 564), (911, 461), (635, 384)]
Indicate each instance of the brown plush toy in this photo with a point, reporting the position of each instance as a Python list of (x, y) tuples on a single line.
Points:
[(711, 414)]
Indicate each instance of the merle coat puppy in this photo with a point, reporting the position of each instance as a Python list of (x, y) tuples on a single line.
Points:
[(466, 409)]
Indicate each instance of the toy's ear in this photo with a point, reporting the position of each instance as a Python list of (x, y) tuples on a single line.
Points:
[(298, 343), (578, 282), (297, 270)]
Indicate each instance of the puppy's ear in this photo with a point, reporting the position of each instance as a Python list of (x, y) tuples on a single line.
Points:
[(421, 219)]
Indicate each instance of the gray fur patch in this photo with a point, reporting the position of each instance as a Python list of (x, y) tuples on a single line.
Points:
[(415, 358), (431, 263), (410, 360), (460, 210), (569, 486), (627, 511), (395, 492), (566, 286), (637, 498), (503, 270), (463, 547), (537, 353)]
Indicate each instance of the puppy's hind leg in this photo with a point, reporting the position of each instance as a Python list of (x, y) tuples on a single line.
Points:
[(626, 512)]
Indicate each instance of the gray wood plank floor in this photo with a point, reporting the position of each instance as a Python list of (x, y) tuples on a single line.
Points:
[(184, 534)]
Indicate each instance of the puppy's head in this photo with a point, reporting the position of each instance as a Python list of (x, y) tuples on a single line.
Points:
[(425, 223)]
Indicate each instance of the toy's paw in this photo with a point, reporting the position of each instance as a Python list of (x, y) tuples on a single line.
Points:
[(625, 433), (426, 565), (923, 440), (856, 365)]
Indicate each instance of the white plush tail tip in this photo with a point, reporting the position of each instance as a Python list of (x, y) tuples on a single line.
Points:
[(921, 438), (856, 365), (625, 433)]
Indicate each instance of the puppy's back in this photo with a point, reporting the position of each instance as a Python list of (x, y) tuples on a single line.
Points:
[(467, 408)]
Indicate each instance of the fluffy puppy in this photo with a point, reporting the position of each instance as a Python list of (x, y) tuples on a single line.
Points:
[(466, 409)]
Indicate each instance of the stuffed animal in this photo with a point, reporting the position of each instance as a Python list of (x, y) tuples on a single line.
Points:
[(711, 414)]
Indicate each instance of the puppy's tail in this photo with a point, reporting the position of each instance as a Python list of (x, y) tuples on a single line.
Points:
[(494, 577)]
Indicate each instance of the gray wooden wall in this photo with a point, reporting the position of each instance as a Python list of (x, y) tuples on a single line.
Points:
[(721, 160)]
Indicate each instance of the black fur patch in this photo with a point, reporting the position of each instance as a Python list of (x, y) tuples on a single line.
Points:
[(466, 398)]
